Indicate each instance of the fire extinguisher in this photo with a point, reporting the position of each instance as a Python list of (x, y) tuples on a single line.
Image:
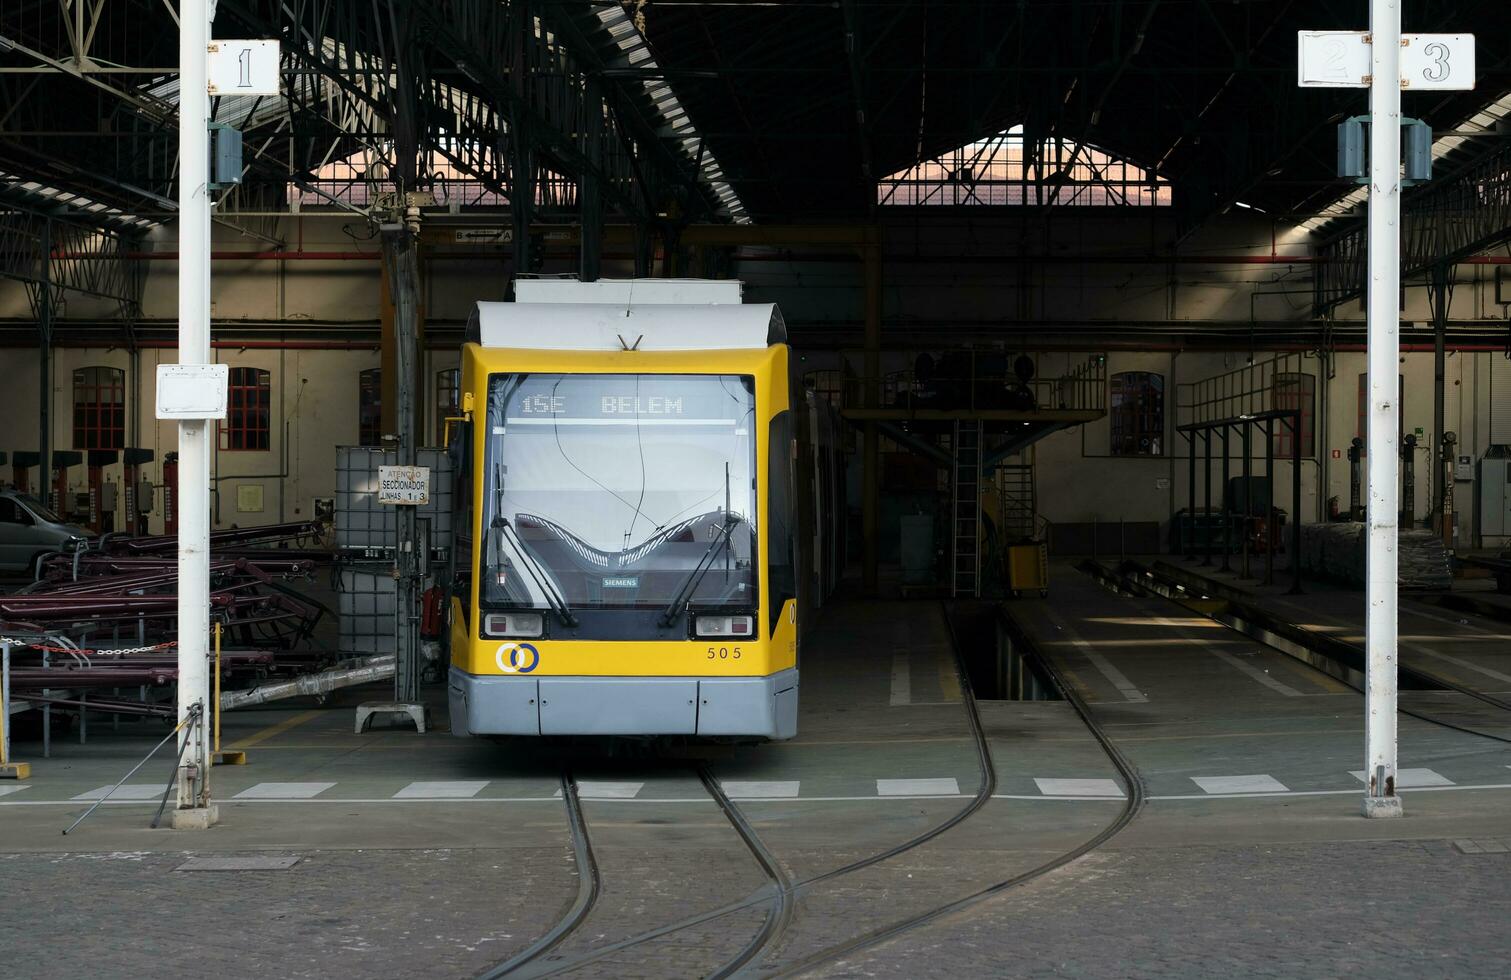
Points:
[(170, 493), (430, 612)]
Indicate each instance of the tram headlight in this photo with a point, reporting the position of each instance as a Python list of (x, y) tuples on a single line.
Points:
[(505, 625), (724, 625)]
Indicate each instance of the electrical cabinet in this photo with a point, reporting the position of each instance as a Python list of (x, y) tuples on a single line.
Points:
[(1494, 498)]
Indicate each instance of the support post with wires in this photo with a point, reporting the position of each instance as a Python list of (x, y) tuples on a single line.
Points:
[(411, 546), (194, 809)]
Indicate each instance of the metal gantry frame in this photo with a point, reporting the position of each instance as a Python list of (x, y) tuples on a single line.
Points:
[(1263, 423)]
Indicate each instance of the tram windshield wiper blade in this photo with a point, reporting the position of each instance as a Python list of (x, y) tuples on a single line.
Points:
[(541, 575), (690, 584)]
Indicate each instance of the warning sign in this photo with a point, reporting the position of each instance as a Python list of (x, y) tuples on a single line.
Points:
[(484, 236), (404, 485)]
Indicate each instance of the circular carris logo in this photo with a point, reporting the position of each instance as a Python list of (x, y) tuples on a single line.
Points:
[(517, 658)]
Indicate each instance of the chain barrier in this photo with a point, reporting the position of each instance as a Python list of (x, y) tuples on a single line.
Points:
[(112, 652)]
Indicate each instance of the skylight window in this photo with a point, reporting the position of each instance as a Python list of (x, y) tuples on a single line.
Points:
[(1000, 170), (637, 55)]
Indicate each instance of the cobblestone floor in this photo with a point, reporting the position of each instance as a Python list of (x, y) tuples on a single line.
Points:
[(1418, 909), (648, 886), (409, 913)]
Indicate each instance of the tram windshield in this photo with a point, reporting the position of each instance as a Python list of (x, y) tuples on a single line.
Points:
[(619, 491)]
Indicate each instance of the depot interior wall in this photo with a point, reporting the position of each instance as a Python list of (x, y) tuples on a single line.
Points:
[(942, 272), (1081, 481), (964, 268)]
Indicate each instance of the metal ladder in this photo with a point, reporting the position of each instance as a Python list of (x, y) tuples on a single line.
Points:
[(966, 510)]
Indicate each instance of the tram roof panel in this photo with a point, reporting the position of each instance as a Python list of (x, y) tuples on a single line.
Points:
[(622, 292), (627, 326)]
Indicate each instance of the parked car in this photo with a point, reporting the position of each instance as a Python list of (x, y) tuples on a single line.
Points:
[(29, 529)]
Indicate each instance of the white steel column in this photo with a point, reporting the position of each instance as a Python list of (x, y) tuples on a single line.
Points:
[(1380, 799), (194, 809)]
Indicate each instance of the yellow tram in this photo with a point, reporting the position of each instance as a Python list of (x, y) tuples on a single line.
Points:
[(630, 523)]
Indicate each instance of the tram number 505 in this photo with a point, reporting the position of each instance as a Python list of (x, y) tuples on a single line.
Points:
[(723, 653)]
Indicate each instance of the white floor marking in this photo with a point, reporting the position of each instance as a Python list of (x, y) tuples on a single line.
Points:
[(777, 789), (588, 789), (441, 789), (1259, 674), (131, 791), (1116, 677), (917, 787), (1078, 787), (1412, 778), (1240, 784), (8, 790), (283, 791), (695, 800), (902, 678)]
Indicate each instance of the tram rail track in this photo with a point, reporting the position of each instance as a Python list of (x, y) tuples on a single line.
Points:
[(780, 894), (776, 894), (589, 884), (1133, 803), (796, 889)]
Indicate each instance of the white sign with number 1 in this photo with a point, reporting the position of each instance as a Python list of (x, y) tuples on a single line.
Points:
[(243, 67)]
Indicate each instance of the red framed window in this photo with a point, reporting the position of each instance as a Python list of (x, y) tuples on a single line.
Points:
[(370, 407), (249, 405), (99, 408), (1296, 392), (1137, 410), (447, 400)]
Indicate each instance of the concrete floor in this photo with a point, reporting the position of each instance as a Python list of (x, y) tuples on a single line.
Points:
[(435, 856)]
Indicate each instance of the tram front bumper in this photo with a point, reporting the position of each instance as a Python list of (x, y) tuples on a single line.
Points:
[(764, 707)]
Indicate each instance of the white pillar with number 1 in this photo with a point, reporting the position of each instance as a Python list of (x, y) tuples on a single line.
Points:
[(194, 808)]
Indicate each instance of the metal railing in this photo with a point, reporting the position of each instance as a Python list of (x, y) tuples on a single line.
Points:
[(988, 380), (1283, 383)]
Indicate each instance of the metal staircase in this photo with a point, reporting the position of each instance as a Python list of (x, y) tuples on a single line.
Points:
[(965, 502), (1019, 513)]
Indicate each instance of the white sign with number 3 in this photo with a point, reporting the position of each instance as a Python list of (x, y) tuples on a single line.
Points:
[(1437, 61)]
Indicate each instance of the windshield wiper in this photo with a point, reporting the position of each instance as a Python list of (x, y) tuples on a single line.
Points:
[(538, 572), (689, 585)]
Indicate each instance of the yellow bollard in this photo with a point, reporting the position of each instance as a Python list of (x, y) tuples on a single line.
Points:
[(219, 758)]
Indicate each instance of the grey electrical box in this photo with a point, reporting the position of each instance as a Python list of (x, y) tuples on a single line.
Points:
[(226, 166), (917, 549), (1351, 158), (144, 496), (1494, 495), (1416, 139), (107, 498)]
